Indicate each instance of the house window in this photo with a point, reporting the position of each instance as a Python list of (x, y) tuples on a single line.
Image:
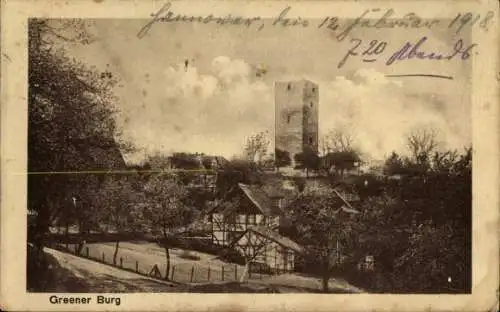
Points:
[(251, 219), (288, 119), (289, 87), (311, 104), (259, 219), (241, 219), (313, 90), (310, 140)]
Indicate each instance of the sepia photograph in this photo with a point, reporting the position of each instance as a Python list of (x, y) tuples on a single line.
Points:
[(215, 165), (206, 151)]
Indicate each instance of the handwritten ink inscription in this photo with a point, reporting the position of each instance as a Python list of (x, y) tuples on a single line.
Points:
[(368, 53), (365, 51), (371, 51), (415, 51), (471, 19), (166, 15), (373, 18)]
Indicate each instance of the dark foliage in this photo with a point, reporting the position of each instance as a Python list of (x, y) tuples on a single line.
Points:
[(308, 160), (282, 158), (342, 160), (71, 127), (420, 232), (237, 171), (185, 161)]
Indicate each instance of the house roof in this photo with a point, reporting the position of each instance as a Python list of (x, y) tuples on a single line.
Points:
[(260, 199), (276, 237)]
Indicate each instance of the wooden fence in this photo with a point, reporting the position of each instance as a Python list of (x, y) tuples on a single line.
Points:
[(180, 273)]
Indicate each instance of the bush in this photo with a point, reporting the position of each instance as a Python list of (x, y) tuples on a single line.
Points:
[(186, 254), (231, 255), (206, 246)]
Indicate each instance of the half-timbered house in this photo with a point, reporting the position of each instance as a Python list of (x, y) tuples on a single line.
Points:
[(267, 249), (248, 206)]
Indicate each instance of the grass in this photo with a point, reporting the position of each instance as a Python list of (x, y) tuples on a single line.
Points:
[(143, 255), (201, 272)]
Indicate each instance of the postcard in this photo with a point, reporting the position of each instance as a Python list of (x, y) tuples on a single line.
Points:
[(250, 155)]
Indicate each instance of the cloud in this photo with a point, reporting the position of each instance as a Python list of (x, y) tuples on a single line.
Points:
[(380, 112), (214, 112), (194, 112)]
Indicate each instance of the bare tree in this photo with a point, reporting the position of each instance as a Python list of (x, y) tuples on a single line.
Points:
[(256, 146), (337, 140), (422, 142), (254, 248), (339, 151)]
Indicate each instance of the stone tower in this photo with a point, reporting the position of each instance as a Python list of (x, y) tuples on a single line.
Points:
[(296, 119)]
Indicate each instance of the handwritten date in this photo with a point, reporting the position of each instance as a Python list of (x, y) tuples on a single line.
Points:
[(370, 52), (469, 19)]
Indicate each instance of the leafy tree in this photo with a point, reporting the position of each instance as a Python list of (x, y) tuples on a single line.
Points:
[(339, 151), (421, 235), (342, 160), (394, 164), (166, 214), (185, 161), (71, 125), (207, 163), (118, 204), (237, 171), (307, 160), (282, 158), (324, 229)]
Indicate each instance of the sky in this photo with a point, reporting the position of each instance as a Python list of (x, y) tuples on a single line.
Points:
[(218, 100)]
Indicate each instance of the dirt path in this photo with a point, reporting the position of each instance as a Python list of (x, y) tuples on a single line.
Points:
[(104, 278), (146, 255)]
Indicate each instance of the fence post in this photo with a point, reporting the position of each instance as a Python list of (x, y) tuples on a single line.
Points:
[(208, 277), (173, 271), (222, 275), (137, 266), (87, 251), (121, 262), (192, 273), (235, 272), (103, 256)]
